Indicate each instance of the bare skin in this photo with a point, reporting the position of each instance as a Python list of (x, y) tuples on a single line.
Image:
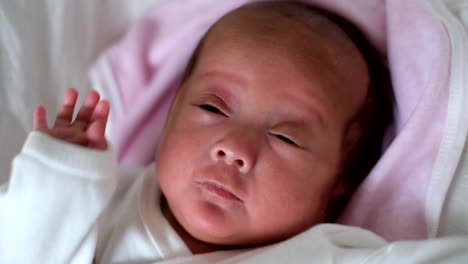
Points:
[(88, 128), (253, 142)]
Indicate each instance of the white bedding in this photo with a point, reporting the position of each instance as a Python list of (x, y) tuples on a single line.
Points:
[(49, 45), (45, 47)]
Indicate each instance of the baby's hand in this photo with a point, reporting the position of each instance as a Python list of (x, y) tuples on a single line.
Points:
[(86, 130)]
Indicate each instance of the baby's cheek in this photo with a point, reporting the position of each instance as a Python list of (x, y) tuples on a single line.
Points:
[(171, 160), (284, 214), (299, 198)]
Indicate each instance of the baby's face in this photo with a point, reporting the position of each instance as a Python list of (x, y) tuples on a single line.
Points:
[(252, 146)]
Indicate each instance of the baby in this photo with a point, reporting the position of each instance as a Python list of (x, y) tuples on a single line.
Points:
[(280, 115)]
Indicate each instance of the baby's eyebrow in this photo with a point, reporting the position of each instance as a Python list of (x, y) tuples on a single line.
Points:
[(235, 78), (310, 125), (312, 114), (305, 114)]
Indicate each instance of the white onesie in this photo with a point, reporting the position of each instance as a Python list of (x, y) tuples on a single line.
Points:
[(59, 197), (69, 204)]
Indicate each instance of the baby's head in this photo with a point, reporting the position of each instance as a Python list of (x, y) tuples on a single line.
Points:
[(271, 131)]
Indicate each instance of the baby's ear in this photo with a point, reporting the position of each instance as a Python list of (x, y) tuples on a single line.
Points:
[(344, 188), (341, 189), (351, 137), (339, 198)]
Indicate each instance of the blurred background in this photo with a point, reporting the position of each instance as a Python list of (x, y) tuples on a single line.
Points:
[(46, 47)]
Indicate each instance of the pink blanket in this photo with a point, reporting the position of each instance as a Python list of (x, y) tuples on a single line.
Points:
[(145, 67)]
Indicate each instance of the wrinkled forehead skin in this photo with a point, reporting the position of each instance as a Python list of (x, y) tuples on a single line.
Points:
[(318, 49)]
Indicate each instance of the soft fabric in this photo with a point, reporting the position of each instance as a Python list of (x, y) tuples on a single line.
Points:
[(133, 228), (46, 47), (68, 204)]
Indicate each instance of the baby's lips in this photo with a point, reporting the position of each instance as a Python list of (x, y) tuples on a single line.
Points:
[(220, 190)]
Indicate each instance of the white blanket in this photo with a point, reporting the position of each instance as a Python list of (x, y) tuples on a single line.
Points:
[(47, 46)]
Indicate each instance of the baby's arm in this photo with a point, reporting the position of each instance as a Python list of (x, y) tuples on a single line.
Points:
[(59, 185)]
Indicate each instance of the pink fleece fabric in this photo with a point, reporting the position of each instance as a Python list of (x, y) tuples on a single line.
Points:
[(148, 62)]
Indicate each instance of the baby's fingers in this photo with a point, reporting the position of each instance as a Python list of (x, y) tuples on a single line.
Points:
[(101, 112), (40, 119), (97, 129), (95, 134), (83, 118), (65, 113)]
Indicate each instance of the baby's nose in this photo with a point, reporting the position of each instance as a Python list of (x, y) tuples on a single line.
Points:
[(240, 160), (229, 158)]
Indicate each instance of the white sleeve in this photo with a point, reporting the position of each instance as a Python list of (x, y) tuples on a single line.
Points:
[(50, 206)]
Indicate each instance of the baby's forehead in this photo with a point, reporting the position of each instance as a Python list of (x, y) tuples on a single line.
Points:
[(256, 23), (282, 20), (290, 27), (267, 32), (312, 42)]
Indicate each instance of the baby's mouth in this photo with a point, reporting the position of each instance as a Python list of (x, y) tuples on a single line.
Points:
[(219, 190)]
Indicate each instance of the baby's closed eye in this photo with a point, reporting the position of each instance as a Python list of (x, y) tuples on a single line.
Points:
[(285, 139), (212, 109)]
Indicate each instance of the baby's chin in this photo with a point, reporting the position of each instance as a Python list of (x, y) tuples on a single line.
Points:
[(212, 225)]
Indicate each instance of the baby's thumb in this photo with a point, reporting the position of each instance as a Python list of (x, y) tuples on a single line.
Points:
[(95, 134)]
